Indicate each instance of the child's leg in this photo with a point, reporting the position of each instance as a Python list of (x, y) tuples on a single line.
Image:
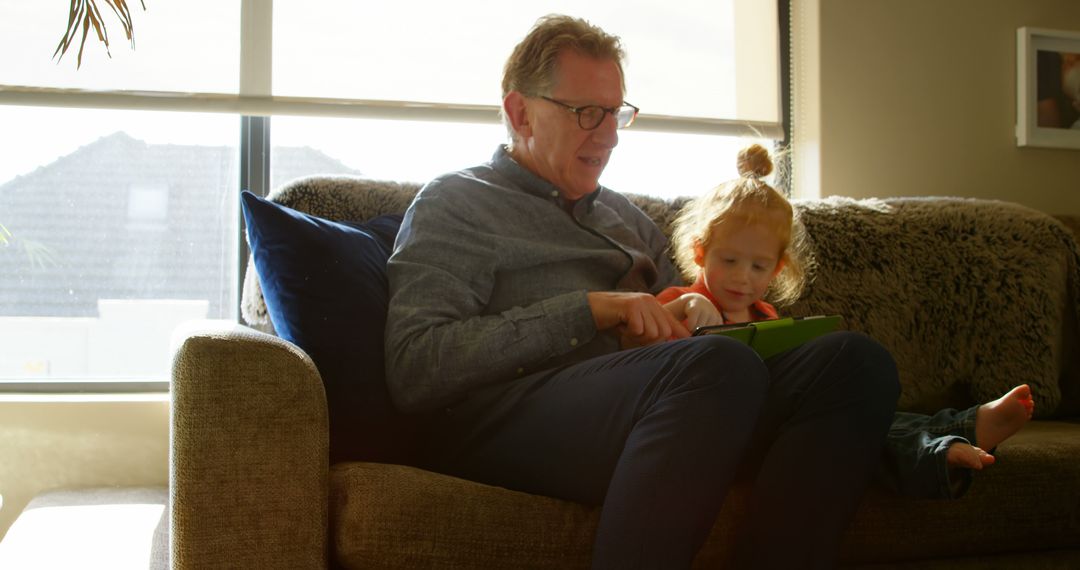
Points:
[(915, 462), (930, 456)]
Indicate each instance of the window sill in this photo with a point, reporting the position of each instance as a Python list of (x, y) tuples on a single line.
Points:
[(83, 390)]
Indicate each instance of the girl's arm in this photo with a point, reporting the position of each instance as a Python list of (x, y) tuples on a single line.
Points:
[(696, 310)]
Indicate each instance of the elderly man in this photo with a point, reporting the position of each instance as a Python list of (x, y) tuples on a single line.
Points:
[(517, 288)]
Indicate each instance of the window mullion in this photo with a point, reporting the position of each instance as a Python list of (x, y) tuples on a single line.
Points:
[(256, 47), (254, 176), (256, 75)]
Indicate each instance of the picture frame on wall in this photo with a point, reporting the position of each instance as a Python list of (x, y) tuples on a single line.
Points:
[(1048, 88)]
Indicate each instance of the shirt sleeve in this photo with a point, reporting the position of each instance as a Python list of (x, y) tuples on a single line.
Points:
[(441, 342), (670, 294)]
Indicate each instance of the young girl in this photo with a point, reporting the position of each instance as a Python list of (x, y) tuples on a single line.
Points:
[(742, 240)]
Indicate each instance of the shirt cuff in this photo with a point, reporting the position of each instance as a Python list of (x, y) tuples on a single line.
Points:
[(577, 326)]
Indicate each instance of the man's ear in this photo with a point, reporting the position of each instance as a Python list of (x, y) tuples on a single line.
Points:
[(517, 113), (699, 253)]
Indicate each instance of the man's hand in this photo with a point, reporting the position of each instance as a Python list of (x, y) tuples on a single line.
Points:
[(640, 318)]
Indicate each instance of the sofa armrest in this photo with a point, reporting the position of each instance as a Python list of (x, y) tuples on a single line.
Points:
[(248, 453)]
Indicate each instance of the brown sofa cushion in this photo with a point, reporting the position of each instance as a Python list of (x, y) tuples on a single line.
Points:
[(389, 516), (1027, 501)]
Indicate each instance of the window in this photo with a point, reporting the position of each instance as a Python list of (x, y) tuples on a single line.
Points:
[(121, 228), (189, 46), (455, 51), (418, 150), (120, 179), (148, 206), (688, 67)]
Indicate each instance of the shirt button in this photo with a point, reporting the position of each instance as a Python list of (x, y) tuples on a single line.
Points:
[(554, 193), (573, 342), (521, 370)]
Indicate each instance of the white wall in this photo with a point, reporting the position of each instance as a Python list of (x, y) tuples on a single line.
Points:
[(50, 442), (54, 441), (918, 98)]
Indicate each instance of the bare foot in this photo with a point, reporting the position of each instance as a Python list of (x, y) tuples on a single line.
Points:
[(968, 456), (998, 420)]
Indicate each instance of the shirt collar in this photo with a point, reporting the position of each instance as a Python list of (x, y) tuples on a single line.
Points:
[(505, 164)]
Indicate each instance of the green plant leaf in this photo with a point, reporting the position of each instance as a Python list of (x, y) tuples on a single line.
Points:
[(66, 39), (97, 28), (39, 254), (86, 13), (82, 44)]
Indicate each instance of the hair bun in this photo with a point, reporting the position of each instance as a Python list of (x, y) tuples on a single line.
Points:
[(754, 161)]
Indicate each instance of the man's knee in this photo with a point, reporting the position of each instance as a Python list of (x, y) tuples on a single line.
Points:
[(716, 359), (873, 368), (713, 392)]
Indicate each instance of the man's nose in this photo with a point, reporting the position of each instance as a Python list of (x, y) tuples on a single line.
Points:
[(607, 134)]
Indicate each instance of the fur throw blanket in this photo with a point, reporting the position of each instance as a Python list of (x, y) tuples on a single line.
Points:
[(971, 296)]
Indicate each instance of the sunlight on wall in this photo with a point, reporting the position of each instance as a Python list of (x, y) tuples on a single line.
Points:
[(112, 536)]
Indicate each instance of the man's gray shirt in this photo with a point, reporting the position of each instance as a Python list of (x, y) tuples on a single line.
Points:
[(489, 277)]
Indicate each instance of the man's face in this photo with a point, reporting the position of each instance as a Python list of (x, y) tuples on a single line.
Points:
[(553, 146)]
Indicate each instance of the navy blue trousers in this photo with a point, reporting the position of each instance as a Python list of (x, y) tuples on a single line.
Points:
[(657, 434)]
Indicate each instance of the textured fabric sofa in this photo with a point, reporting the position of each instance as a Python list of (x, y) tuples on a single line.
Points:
[(972, 297)]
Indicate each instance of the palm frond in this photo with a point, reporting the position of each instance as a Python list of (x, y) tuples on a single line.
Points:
[(40, 255), (37, 253), (85, 14)]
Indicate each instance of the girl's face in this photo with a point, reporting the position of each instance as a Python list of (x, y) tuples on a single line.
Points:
[(738, 265)]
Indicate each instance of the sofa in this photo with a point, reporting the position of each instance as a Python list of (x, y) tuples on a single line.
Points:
[(971, 297)]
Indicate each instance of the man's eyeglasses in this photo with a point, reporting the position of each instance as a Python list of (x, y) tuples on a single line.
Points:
[(590, 116)]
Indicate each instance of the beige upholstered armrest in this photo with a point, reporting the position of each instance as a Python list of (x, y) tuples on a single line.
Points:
[(248, 465)]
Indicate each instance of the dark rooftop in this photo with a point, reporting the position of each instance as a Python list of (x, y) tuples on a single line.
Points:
[(120, 218)]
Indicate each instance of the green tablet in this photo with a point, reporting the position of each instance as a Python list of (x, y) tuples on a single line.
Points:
[(769, 338)]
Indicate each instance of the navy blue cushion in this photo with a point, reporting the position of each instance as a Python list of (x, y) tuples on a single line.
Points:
[(325, 288)]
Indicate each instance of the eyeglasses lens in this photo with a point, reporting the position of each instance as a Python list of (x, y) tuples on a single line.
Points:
[(625, 116)]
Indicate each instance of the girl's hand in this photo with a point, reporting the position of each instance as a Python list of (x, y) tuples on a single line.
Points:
[(699, 311)]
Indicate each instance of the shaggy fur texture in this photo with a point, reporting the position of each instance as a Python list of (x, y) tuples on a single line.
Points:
[(971, 296)]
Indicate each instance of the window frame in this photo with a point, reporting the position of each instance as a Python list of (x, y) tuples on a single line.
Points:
[(255, 105)]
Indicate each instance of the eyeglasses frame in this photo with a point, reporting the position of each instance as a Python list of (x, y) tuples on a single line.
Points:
[(613, 111)]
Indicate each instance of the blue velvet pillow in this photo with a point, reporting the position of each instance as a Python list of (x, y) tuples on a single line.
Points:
[(325, 288)]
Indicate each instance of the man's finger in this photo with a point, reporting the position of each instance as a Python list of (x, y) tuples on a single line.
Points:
[(634, 324), (678, 330)]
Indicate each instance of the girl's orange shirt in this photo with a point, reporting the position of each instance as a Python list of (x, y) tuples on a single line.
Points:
[(760, 310)]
